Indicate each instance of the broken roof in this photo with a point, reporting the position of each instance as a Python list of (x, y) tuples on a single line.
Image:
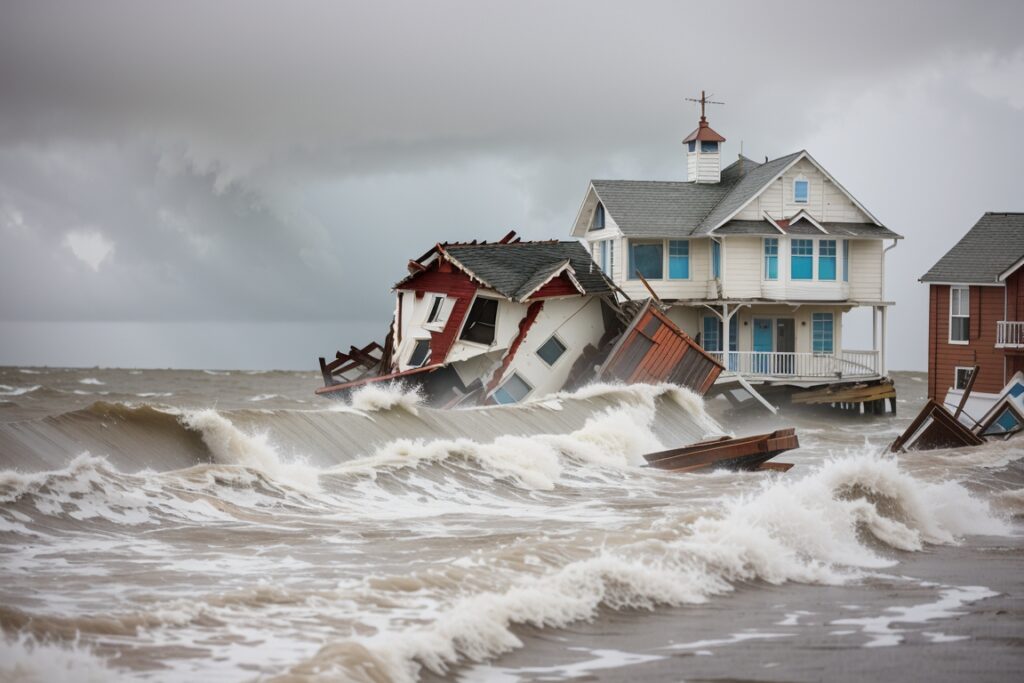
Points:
[(517, 269), (989, 252)]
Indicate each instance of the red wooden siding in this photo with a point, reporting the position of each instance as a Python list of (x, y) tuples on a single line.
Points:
[(655, 350), (943, 357), (455, 284), (560, 286)]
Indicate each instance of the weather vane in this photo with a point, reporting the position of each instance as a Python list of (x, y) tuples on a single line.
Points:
[(703, 101)]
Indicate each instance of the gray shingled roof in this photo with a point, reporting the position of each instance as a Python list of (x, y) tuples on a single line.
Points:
[(743, 191), (511, 269), (667, 209), (763, 227), (993, 245), (747, 228), (643, 208), (860, 230)]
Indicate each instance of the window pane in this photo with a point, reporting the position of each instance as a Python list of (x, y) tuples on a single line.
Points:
[(800, 191), (693, 146), (958, 329), (802, 265), (598, 218), (821, 331), (420, 353), (771, 259), (706, 146), (479, 325), (648, 259), (551, 351), (513, 390), (716, 259), (846, 260), (435, 309), (678, 259), (827, 260), (712, 336)]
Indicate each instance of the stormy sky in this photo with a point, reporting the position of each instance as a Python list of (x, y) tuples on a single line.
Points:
[(237, 184)]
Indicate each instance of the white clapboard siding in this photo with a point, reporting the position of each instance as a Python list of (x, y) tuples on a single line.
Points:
[(825, 201), (866, 270), (742, 267)]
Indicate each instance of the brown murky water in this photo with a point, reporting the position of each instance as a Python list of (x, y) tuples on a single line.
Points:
[(175, 525)]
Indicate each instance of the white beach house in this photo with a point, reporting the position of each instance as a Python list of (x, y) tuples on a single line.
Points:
[(768, 256)]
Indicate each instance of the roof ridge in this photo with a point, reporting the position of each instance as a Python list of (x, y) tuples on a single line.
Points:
[(502, 244)]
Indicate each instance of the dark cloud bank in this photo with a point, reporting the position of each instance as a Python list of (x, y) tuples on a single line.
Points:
[(238, 184)]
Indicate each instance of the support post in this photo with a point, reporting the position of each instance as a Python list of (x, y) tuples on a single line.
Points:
[(883, 371), (724, 341)]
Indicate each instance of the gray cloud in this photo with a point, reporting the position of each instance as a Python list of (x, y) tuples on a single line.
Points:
[(252, 163)]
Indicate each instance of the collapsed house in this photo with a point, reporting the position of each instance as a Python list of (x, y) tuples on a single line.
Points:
[(490, 323)]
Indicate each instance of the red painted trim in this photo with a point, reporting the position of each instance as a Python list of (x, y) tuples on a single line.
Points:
[(524, 328)]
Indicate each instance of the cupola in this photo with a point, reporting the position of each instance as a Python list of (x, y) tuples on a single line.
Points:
[(703, 151)]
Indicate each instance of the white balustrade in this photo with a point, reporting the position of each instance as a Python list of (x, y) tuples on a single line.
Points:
[(801, 365), (1009, 334)]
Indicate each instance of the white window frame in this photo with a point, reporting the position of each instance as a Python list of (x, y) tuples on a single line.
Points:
[(764, 259), (664, 259), (667, 268), (801, 179), (439, 321), (956, 375), (465, 321), (967, 289), (509, 379), (412, 352)]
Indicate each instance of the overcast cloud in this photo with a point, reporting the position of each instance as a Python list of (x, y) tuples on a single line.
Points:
[(264, 170)]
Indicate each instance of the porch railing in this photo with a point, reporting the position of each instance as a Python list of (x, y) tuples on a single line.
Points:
[(1009, 334), (801, 365)]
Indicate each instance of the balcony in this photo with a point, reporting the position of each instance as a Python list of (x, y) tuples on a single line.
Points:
[(1009, 334), (801, 366)]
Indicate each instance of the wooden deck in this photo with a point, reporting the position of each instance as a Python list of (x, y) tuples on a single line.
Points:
[(743, 453)]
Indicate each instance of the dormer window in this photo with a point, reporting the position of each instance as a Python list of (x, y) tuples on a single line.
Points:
[(709, 146), (598, 223), (801, 190)]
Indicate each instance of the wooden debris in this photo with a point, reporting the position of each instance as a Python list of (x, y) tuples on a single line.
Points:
[(935, 427), (743, 453), (870, 395), (653, 349)]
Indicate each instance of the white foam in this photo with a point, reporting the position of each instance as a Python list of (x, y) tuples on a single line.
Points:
[(91, 380), (804, 530), (379, 397), (25, 660), (229, 445), (6, 390), (262, 397)]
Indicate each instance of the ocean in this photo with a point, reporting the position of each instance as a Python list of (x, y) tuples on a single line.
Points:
[(168, 525)]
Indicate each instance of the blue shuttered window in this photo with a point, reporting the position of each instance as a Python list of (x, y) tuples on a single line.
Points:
[(771, 258), (678, 259), (716, 259), (821, 332), (827, 260), (802, 260)]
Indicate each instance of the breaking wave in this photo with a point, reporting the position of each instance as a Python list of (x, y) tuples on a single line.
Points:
[(809, 530)]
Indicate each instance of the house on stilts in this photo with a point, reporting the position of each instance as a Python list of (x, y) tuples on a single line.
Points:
[(759, 261)]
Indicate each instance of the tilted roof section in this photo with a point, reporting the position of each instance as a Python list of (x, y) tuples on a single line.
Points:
[(650, 208), (512, 269), (984, 255)]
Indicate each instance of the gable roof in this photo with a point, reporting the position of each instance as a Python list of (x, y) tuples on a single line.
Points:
[(650, 208), (987, 254), (516, 270), (665, 209)]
